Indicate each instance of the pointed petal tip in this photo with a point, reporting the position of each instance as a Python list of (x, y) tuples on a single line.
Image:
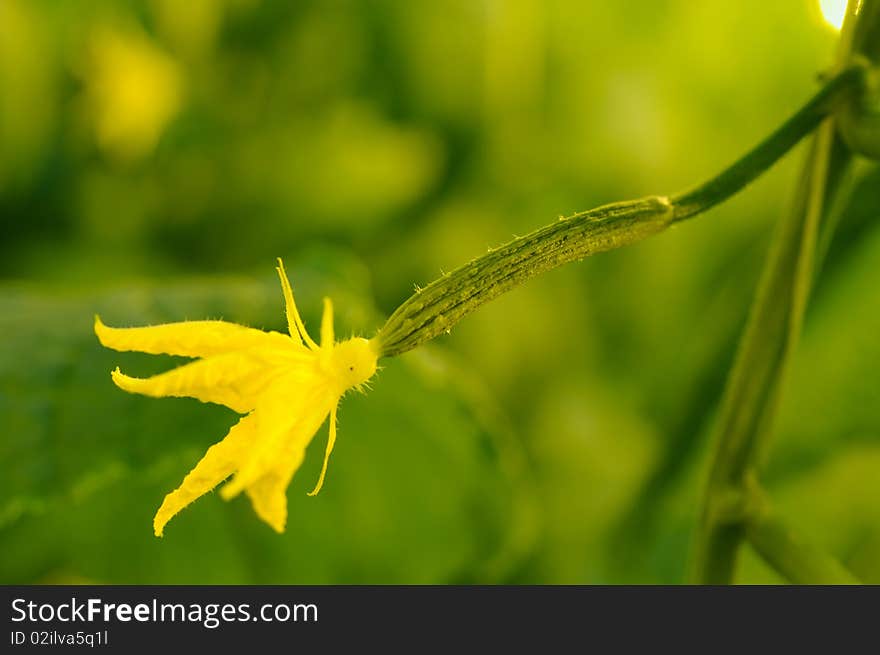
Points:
[(272, 514), (132, 384), (314, 492), (109, 337), (159, 525), (120, 379), (100, 329)]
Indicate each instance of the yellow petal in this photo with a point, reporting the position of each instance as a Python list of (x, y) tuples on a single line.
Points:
[(287, 418), (233, 379), (327, 324), (268, 493), (295, 324), (331, 440), (189, 338), (219, 462)]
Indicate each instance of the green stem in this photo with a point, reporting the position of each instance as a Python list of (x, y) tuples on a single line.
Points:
[(433, 311), (768, 152), (789, 554), (754, 385)]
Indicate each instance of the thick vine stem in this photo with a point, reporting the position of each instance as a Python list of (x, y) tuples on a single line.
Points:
[(755, 383), (859, 119), (433, 311)]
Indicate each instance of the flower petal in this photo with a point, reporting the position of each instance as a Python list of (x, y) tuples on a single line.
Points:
[(188, 338), (268, 493), (233, 379), (288, 417), (295, 324), (331, 440), (219, 462), (327, 337)]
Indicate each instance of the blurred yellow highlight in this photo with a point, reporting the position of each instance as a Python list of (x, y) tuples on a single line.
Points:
[(134, 92), (833, 12)]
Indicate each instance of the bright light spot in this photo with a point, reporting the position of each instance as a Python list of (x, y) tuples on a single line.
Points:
[(833, 12)]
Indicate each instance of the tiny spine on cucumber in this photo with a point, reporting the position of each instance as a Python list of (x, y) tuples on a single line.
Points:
[(433, 310)]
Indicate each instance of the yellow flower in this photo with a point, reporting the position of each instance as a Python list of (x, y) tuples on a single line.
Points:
[(286, 386)]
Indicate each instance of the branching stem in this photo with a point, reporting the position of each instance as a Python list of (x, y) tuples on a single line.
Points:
[(754, 385)]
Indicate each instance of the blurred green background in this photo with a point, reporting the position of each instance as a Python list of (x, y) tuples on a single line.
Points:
[(156, 156)]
